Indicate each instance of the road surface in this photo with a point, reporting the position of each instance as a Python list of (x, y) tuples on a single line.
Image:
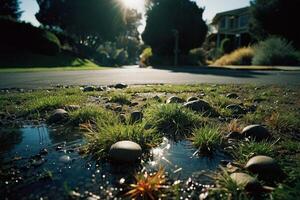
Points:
[(134, 75)]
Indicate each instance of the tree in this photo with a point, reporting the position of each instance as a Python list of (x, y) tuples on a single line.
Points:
[(89, 21), (10, 8), (275, 17), (167, 17)]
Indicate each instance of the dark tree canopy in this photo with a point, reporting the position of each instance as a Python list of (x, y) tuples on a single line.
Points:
[(90, 21), (166, 16), (276, 17), (10, 8)]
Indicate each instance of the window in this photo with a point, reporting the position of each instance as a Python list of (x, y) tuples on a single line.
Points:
[(223, 23), (244, 20)]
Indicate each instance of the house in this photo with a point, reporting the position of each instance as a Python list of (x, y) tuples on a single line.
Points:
[(233, 24)]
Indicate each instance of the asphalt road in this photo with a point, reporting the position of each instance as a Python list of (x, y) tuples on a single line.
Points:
[(134, 75)]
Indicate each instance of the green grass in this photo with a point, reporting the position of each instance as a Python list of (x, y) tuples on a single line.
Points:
[(41, 63), (92, 114), (207, 138), (121, 98), (101, 139), (243, 151), (173, 119)]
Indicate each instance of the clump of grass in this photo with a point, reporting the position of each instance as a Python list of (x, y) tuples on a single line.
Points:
[(242, 152), (284, 121), (121, 98), (286, 192), (207, 138), (173, 119), (92, 114), (147, 186), (227, 188), (101, 139), (242, 56)]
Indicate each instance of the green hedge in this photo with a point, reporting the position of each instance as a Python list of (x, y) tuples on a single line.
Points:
[(23, 37)]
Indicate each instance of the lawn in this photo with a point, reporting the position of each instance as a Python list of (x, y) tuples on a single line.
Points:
[(104, 115)]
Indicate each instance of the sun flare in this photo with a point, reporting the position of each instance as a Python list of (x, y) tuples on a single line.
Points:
[(135, 4)]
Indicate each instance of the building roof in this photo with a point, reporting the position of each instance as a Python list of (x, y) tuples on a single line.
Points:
[(230, 12)]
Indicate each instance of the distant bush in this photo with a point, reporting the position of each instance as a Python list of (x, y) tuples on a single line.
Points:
[(197, 57), (145, 56), (23, 37), (276, 51), (242, 56), (227, 46)]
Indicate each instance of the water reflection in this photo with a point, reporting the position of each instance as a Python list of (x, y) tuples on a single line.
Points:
[(179, 158)]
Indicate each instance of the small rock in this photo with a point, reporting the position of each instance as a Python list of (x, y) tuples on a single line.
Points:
[(125, 151), (136, 116), (265, 167), (192, 99), (156, 98), (89, 89), (236, 109), (174, 99), (246, 181), (120, 86), (99, 89), (122, 118), (235, 136), (232, 95), (199, 106), (65, 159), (43, 151), (134, 103), (256, 132), (58, 116)]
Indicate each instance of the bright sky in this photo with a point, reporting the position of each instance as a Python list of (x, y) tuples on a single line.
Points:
[(30, 7)]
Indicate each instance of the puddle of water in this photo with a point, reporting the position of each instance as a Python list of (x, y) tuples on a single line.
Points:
[(181, 160), (41, 161)]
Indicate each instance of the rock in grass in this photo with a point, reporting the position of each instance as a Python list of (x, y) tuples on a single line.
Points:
[(235, 135), (232, 95), (174, 99), (125, 151), (89, 89), (58, 116), (236, 109), (246, 181), (199, 106), (72, 107), (256, 132), (192, 99), (120, 86), (136, 116), (265, 167)]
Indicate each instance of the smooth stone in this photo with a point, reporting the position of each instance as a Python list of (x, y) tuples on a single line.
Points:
[(174, 99), (232, 95), (265, 167), (236, 109), (65, 159), (59, 115), (256, 132), (198, 106), (89, 89), (246, 181), (120, 86), (125, 151), (235, 135), (192, 99), (136, 116)]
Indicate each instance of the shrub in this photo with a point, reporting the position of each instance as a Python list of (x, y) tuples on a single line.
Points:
[(19, 37), (172, 119), (145, 56), (242, 56), (276, 51), (197, 57), (227, 45)]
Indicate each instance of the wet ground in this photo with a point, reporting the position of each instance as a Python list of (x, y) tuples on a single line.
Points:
[(45, 162)]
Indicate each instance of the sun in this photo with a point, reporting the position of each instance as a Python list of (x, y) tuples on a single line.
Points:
[(135, 4)]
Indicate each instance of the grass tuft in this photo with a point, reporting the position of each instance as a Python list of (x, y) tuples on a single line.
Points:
[(173, 119), (101, 139), (121, 98), (207, 138), (242, 56)]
